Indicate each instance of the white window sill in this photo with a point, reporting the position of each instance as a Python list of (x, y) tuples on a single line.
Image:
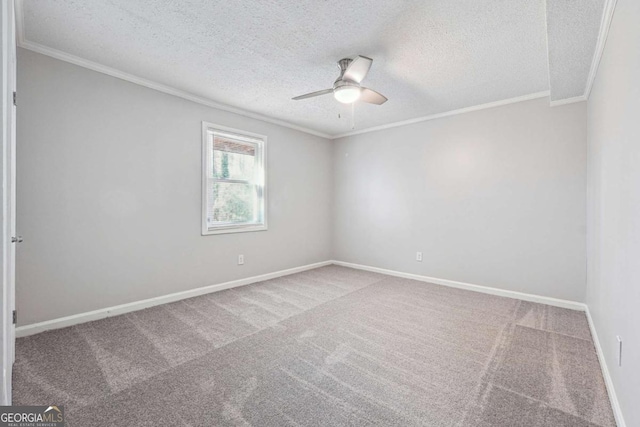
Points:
[(234, 229)]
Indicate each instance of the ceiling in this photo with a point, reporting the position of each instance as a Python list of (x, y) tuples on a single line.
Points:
[(430, 57)]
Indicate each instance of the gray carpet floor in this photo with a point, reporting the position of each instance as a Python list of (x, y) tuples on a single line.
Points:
[(327, 347)]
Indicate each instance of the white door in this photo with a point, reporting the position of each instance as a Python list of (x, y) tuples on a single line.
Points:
[(8, 167)]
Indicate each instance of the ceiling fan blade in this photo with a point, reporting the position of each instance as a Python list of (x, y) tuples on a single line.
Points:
[(372, 97), (312, 94), (357, 69)]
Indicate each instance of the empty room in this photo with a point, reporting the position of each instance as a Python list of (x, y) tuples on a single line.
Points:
[(320, 213)]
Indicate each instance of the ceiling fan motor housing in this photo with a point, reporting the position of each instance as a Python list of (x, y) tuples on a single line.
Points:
[(343, 64), (342, 83)]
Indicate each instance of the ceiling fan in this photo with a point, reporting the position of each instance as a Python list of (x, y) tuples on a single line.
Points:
[(346, 88)]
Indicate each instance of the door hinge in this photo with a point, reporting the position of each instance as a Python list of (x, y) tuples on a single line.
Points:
[(14, 99), (15, 317)]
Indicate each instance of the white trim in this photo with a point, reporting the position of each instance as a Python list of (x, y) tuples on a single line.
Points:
[(76, 319), (494, 104), (8, 190), (615, 405), (566, 101), (5, 233), (76, 60), (19, 21), (546, 39), (160, 87), (607, 15), (605, 24), (54, 53), (261, 141), (572, 305), (63, 56), (103, 313)]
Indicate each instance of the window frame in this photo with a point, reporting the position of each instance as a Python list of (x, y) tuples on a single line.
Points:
[(208, 130)]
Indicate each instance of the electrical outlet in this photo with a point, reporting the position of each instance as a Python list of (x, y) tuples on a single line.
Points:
[(240, 259), (419, 256), (619, 338)]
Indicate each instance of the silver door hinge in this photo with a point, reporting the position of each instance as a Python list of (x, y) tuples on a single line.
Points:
[(14, 99), (15, 317)]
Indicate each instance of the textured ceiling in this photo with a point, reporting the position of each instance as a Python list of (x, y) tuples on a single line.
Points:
[(572, 28), (429, 56)]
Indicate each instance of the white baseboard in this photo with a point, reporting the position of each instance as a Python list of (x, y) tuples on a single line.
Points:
[(89, 316), (615, 405), (102, 313), (573, 305), (76, 319)]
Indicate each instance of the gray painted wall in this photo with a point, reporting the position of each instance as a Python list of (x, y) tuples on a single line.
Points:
[(494, 197), (109, 197), (109, 194), (613, 285)]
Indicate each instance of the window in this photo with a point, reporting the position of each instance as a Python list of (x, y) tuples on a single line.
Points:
[(233, 181)]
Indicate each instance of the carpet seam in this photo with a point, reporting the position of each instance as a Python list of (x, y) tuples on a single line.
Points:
[(544, 403), (497, 352), (554, 332), (192, 343), (102, 398)]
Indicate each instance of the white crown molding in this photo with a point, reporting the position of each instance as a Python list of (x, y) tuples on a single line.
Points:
[(19, 22), (54, 53), (566, 101), (103, 313), (605, 24), (494, 104), (76, 60), (546, 40), (572, 305), (608, 381), (63, 56)]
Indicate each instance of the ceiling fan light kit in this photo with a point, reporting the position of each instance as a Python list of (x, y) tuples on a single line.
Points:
[(346, 89), (346, 94)]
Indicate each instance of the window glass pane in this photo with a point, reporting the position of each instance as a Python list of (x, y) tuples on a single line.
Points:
[(231, 203), (233, 160), (233, 177)]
